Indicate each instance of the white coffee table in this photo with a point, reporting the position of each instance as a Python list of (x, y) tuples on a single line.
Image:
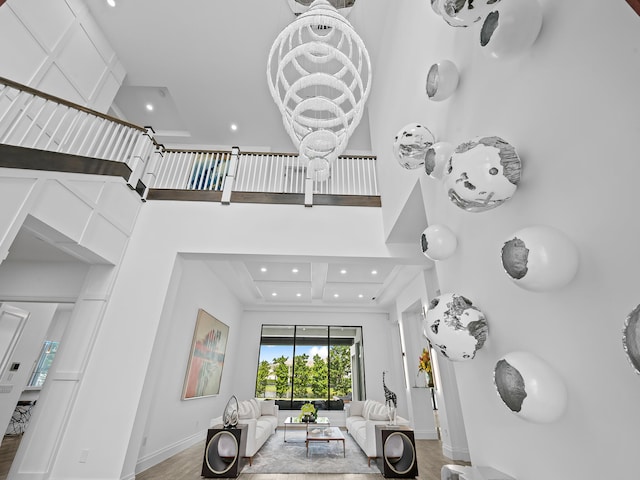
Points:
[(325, 434), (296, 423)]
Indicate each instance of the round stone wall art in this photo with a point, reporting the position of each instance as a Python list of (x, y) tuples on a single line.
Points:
[(510, 28), (540, 258), (529, 387), (438, 242), (436, 158), (455, 327), (463, 13), (411, 145), (631, 338), (482, 174), (442, 80)]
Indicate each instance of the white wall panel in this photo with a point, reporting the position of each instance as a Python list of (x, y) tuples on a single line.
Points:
[(62, 51), (120, 205), (87, 188), (55, 83), (62, 210), (48, 22), (81, 62), (23, 67), (103, 238)]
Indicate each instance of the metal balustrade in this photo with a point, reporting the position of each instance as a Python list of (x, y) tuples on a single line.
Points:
[(35, 120)]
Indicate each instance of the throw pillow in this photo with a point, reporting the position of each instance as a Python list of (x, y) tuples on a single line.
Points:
[(366, 409), (257, 411), (266, 407), (245, 411), (379, 412), (355, 408)]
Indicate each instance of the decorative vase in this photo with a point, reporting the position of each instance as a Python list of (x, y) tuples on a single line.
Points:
[(438, 242), (428, 377), (510, 27), (411, 144), (482, 174), (540, 258), (455, 327), (529, 387), (442, 80)]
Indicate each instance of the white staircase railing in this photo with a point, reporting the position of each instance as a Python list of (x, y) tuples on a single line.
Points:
[(32, 119)]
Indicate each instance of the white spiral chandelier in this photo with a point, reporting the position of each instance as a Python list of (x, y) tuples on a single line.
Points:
[(319, 75)]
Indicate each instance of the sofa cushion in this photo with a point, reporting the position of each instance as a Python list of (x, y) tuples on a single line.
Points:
[(255, 407), (266, 407), (245, 410), (355, 408), (366, 409)]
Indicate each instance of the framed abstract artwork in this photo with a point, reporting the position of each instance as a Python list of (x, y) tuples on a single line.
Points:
[(206, 359)]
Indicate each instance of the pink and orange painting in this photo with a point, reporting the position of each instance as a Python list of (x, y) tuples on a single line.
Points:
[(206, 359)]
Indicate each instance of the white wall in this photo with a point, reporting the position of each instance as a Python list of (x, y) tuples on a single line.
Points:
[(568, 105), (172, 423), (62, 51), (137, 305)]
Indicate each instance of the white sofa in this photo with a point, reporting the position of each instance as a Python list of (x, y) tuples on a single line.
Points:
[(261, 417), (361, 420)]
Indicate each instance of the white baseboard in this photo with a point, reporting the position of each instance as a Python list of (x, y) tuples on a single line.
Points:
[(449, 452), (131, 476), (425, 434), (162, 454)]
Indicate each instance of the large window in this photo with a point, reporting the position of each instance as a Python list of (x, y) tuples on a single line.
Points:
[(45, 360), (310, 363)]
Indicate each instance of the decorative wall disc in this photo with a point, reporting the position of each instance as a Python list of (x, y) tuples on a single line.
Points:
[(540, 258), (482, 174), (510, 27), (529, 387), (442, 80), (411, 144), (438, 242), (455, 327), (631, 338), (436, 158)]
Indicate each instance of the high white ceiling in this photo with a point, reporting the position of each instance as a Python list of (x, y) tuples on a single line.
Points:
[(202, 64)]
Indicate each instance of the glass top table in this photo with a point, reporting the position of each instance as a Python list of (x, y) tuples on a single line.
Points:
[(295, 422), (328, 434)]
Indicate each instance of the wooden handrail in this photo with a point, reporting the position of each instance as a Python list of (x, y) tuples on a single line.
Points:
[(62, 101)]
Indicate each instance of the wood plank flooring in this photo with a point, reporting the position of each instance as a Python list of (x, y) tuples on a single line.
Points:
[(187, 465)]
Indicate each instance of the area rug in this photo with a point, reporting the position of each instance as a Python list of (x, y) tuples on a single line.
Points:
[(276, 456)]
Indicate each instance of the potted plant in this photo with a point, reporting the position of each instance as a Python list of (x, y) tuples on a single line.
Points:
[(308, 413)]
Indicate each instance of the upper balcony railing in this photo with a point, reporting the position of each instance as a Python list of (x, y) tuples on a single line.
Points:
[(30, 119)]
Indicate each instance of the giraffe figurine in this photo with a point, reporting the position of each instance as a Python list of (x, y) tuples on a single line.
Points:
[(389, 397)]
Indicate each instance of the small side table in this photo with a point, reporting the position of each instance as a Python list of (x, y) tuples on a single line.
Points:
[(224, 452), (396, 451)]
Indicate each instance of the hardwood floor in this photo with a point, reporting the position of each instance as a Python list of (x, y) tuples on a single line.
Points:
[(187, 465)]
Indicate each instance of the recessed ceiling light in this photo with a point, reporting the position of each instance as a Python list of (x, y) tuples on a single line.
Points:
[(263, 269), (233, 127), (294, 270), (111, 3), (374, 272), (360, 295), (149, 107), (335, 295), (343, 271), (298, 294), (274, 294)]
